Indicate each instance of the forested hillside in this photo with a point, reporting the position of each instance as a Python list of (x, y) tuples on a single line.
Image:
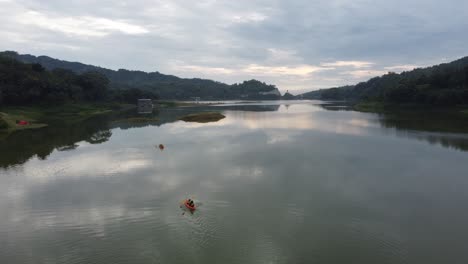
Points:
[(165, 86), (445, 85), (27, 84)]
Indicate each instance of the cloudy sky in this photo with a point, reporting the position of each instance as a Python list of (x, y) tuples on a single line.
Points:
[(297, 45)]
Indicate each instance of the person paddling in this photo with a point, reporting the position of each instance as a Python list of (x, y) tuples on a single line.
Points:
[(190, 202)]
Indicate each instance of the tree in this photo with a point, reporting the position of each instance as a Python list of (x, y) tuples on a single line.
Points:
[(37, 67), (94, 84)]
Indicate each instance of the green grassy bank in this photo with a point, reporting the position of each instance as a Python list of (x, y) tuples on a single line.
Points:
[(40, 116)]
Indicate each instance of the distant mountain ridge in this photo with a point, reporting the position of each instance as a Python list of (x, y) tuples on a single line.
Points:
[(166, 86), (444, 84)]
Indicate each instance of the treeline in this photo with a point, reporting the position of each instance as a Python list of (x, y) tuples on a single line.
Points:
[(26, 84), (165, 86), (442, 85), (254, 90)]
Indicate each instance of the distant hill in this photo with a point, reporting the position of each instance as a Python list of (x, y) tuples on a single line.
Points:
[(445, 85), (288, 96), (165, 86), (328, 93)]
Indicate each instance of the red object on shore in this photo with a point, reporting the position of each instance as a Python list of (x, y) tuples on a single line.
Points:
[(23, 123), (192, 208)]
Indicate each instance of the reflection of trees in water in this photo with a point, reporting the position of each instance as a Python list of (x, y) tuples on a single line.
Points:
[(460, 143), (22, 145), (448, 130), (336, 106), (99, 137), (157, 118), (169, 115), (66, 148), (250, 107)]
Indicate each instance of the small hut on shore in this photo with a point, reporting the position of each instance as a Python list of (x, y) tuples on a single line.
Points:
[(145, 106)]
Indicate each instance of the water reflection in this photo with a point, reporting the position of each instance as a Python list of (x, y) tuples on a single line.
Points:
[(22, 145), (447, 129), (294, 185), (251, 107), (444, 128)]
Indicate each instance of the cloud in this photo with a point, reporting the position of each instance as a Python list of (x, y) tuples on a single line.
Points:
[(355, 64), (81, 26), (282, 55), (204, 69), (249, 17), (364, 74), (296, 70), (401, 68), (297, 46), (254, 70)]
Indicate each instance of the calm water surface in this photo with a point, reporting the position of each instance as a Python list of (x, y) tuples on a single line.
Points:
[(276, 182)]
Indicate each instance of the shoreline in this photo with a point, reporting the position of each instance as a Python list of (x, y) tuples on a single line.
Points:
[(41, 116), (378, 107)]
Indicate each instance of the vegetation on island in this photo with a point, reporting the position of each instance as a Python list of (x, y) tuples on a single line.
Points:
[(203, 117), (444, 85), (167, 103), (288, 96)]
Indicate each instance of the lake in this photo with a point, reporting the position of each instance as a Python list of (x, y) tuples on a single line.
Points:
[(274, 182)]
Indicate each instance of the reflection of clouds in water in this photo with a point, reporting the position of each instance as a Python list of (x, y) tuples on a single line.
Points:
[(105, 164), (252, 177), (13, 192), (167, 181), (296, 117), (279, 121), (277, 137), (211, 185), (361, 122), (189, 125), (254, 172), (95, 164), (306, 121), (143, 169), (96, 219), (225, 144), (300, 107), (238, 121)]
